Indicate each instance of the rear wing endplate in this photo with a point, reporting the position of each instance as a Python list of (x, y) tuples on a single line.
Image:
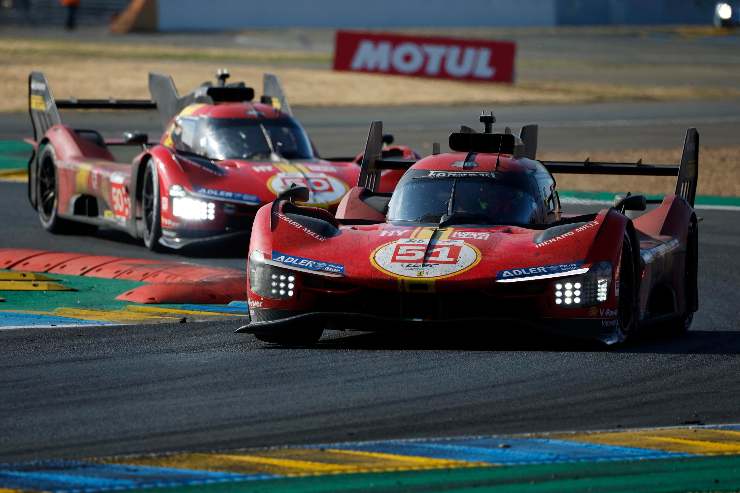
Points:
[(273, 90), (687, 170), (164, 93), (373, 162)]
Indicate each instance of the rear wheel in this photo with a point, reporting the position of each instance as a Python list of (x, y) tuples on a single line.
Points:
[(303, 336), (627, 311), (150, 204)]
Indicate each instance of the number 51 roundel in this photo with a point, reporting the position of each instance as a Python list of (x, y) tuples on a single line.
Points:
[(405, 258)]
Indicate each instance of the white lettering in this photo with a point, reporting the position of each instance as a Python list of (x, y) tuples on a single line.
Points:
[(371, 57), (483, 67), (407, 58), (435, 53), (456, 67)]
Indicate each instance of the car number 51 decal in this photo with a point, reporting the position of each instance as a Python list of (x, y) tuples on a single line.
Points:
[(416, 259)]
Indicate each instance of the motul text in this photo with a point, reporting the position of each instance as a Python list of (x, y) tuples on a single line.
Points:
[(447, 58)]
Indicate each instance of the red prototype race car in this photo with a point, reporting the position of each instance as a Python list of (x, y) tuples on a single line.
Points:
[(476, 236), (221, 156)]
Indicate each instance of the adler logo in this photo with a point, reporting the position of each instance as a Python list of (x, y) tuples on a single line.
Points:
[(424, 56)]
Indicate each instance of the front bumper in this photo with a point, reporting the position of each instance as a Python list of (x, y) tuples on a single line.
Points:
[(263, 320)]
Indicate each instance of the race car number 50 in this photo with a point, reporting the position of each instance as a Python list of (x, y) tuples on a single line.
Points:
[(416, 259)]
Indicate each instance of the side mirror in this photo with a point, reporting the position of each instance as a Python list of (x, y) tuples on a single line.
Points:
[(132, 138), (630, 202), (295, 194), (388, 139)]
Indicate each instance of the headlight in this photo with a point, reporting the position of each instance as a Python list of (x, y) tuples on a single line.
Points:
[(587, 289), (724, 11), (270, 281), (190, 208)]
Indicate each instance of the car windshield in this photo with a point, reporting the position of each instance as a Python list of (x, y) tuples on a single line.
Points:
[(242, 138), (462, 199)]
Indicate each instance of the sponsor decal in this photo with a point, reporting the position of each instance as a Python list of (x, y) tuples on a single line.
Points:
[(415, 258), (169, 223), (297, 225), (470, 235), (321, 168), (651, 254), (395, 232), (425, 56), (609, 324), (263, 168), (243, 198), (119, 196), (461, 174), (38, 102), (325, 189), (567, 234), (464, 164), (37, 85), (543, 270), (82, 177), (254, 304), (307, 263), (607, 312)]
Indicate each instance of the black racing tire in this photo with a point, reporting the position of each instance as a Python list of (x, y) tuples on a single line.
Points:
[(628, 300), (151, 208), (293, 337), (47, 194)]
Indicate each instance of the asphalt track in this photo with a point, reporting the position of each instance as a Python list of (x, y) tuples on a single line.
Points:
[(98, 391)]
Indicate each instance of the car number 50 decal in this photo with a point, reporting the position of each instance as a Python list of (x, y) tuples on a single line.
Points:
[(411, 259)]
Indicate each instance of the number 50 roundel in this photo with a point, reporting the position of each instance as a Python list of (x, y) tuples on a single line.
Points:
[(405, 258)]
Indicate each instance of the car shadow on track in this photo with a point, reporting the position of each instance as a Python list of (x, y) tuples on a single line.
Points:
[(452, 341), (694, 342)]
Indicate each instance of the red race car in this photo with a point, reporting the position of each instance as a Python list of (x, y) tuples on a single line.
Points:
[(221, 156), (476, 236)]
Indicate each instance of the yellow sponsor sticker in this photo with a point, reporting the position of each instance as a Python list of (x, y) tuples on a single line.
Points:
[(38, 102)]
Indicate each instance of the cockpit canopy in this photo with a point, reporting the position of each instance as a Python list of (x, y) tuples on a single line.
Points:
[(241, 138), (484, 198)]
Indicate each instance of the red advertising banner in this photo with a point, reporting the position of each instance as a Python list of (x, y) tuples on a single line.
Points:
[(425, 56)]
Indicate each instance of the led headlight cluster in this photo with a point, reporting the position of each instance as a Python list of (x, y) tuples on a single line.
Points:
[(568, 293), (588, 289), (190, 208), (270, 281), (282, 285)]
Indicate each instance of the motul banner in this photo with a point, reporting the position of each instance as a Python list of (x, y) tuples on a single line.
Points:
[(425, 56)]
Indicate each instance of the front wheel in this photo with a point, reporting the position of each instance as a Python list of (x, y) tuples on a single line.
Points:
[(303, 336), (150, 204), (47, 193)]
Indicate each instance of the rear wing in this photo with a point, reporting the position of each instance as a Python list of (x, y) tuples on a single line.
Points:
[(687, 170), (373, 161), (44, 109)]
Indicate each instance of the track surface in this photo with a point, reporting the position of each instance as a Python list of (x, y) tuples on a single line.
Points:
[(78, 392)]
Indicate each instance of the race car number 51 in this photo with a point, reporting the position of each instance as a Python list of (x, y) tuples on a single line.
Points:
[(416, 259), (414, 253)]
